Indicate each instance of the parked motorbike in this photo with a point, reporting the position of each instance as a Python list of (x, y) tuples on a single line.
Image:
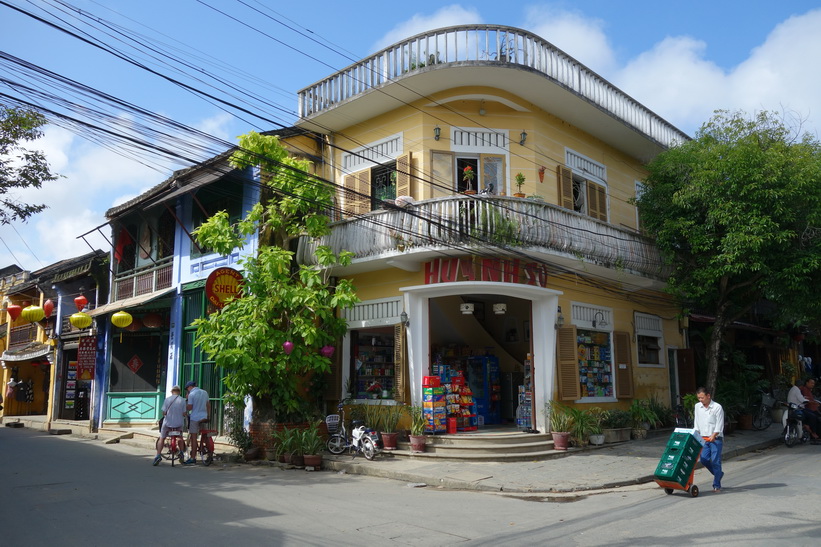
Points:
[(362, 440), (792, 420)]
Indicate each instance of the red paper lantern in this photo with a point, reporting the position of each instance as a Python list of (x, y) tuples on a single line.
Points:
[(48, 307), (152, 320), (14, 311), (81, 302), (135, 325)]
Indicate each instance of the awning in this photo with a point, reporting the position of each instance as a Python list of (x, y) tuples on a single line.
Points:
[(33, 350), (132, 302)]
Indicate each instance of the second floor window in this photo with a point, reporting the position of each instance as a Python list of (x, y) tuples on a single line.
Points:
[(582, 195), (448, 173)]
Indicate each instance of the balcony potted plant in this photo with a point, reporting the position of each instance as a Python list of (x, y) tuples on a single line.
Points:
[(520, 180), (616, 426), (561, 424), (418, 441), (468, 174)]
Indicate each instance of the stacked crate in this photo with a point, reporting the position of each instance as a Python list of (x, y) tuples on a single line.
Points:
[(678, 461), (434, 405)]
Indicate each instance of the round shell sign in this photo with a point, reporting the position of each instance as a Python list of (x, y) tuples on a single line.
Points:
[(222, 284)]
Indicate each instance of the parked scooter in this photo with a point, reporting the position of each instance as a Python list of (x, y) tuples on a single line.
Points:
[(792, 420)]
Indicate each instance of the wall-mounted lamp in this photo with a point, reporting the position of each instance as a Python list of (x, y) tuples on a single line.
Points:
[(466, 308), (482, 110), (559, 319), (403, 318), (437, 132), (683, 323), (500, 308), (522, 138), (600, 322)]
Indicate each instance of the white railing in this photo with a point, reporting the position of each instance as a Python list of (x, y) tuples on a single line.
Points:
[(465, 223), (483, 45)]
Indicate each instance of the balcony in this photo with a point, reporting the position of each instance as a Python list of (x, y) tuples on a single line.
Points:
[(460, 225), (145, 280), (468, 51), (22, 336)]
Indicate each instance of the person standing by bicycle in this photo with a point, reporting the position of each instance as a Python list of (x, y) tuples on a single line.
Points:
[(199, 408), (708, 419), (173, 411)]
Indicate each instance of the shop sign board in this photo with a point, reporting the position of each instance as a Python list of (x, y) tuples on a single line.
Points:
[(501, 270), (86, 357), (221, 285)]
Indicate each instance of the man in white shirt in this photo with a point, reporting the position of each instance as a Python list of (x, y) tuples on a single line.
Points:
[(199, 408), (708, 419)]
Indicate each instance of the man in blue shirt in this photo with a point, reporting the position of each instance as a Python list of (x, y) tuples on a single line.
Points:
[(199, 408), (708, 419)]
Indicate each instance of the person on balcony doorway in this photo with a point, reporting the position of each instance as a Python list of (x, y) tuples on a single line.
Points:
[(708, 419)]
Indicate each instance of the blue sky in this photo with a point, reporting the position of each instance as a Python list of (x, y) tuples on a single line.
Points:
[(682, 60)]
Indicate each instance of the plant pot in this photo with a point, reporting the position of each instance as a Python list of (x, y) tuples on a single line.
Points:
[(297, 460), (418, 443), (561, 440), (616, 435), (639, 433), (312, 460), (519, 195), (470, 192), (597, 438), (745, 421), (389, 440)]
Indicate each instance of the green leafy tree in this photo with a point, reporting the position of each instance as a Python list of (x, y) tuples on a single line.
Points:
[(281, 301), (737, 213), (19, 166)]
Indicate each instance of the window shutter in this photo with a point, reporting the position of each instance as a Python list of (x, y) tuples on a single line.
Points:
[(403, 175), (400, 363), (357, 188), (686, 371), (333, 387), (597, 201), (565, 179), (624, 356), (568, 364)]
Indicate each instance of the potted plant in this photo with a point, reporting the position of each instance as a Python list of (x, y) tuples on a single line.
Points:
[(467, 175), (520, 180), (561, 424), (641, 418), (418, 423), (281, 441), (582, 425), (616, 426), (312, 445), (391, 415), (374, 390), (598, 417)]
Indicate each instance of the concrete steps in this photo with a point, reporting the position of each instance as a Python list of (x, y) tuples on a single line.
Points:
[(493, 446)]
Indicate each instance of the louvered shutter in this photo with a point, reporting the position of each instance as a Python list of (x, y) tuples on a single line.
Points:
[(403, 175), (333, 387), (357, 192), (567, 362), (623, 364), (597, 201), (686, 371), (400, 363), (565, 180)]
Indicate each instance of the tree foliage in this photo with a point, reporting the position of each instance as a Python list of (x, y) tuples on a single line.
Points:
[(737, 213), (20, 167), (281, 301)]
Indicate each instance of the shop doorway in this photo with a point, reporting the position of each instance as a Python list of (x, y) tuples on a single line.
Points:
[(372, 373)]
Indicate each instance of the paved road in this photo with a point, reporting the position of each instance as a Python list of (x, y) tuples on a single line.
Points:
[(69, 491)]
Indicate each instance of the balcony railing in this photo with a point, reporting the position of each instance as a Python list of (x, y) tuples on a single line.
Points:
[(470, 222), (144, 281), (23, 335), (484, 45)]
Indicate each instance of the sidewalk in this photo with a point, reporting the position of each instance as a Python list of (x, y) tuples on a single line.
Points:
[(609, 466)]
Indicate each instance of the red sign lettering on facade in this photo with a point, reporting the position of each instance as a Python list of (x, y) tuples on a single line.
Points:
[(450, 270), (86, 357), (221, 285)]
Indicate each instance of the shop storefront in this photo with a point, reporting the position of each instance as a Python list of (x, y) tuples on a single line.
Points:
[(27, 380)]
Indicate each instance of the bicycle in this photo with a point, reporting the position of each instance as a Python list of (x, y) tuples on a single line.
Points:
[(762, 412), (170, 450), (205, 446), (681, 416), (364, 440)]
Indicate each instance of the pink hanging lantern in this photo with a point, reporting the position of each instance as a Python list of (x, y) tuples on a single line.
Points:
[(327, 351), (288, 347), (48, 307)]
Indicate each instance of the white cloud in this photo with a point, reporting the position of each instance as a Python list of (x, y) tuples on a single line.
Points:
[(218, 126), (445, 17), (580, 37), (678, 82)]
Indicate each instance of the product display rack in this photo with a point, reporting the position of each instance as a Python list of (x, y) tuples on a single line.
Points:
[(595, 364), (374, 362), (434, 409)]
